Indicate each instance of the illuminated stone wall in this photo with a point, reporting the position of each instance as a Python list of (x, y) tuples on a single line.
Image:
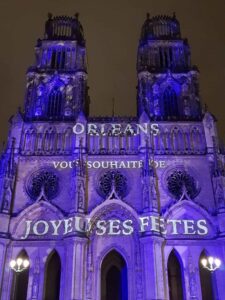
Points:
[(144, 194)]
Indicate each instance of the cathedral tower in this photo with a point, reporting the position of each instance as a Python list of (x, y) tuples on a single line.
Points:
[(57, 83), (167, 82), (127, 207)]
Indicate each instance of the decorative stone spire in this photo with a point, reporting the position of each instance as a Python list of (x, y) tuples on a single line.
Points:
[(9, 178), (11, 162), (218, 167), (81, 166), (149, 193)]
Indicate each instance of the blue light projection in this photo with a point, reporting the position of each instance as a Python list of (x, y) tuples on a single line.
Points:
[(119, 224)]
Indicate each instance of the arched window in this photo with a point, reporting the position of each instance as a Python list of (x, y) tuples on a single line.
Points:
[(171, 56), (67, 142), (175, 277), (53, 57), (20, 281), (170, 103), (63, 59), (54, 108), (196, 139), (50, 139), (177, 139), (114, 277), (161, 58), (52, 277), (206, 279), (58, 59)]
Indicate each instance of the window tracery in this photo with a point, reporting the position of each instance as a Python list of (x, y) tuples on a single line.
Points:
[(110, 180), (170, 103), (54, 108), (43, 181), (180, 180)]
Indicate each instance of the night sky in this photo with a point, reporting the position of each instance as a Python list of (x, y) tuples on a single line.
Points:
[(112, 30)]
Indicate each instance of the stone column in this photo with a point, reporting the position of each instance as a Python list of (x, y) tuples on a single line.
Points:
[(3, 256), (191, 272), (153, 267), (77, 270), (7, 274)]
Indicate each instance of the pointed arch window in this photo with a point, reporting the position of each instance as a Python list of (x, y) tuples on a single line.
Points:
[(114, 277), (53, 59), (54, 109), (170, 103), (67, 143), (52, 277), (177, 139), (175, 277), (171, 57), (58, 58), (20, 281), (206, 278)]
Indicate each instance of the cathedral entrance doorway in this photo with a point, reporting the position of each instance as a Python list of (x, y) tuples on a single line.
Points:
[(176, 287), (114, 277), (52, 277)]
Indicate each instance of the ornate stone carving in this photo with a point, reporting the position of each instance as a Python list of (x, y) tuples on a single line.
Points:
[(89, 274), (192, 278), (113, 178), (36, 274), (43, 181), (179, 181)]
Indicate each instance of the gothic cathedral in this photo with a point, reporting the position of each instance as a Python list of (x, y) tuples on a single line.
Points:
[(112, 208)]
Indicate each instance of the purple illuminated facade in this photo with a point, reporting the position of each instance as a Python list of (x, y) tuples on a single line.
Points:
[(168, 183)]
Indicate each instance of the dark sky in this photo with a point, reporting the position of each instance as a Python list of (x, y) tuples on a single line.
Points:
[(112, 31)]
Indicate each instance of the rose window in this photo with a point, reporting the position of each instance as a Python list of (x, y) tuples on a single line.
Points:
[(43, 181), (113, 179), (179, 181)]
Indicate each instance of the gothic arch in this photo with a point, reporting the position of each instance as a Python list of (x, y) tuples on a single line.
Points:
[(114, 205), (49, 141), (33, 213), (67, 139), (175, 276), (55, 103), (192, 207), (58, 58), (166, 139), (177, 139), (161, 139), (170, 103), (206, 279), (114, 281), (196, 139), (20, 281), (189, 210), (52, 277), (114, 247), (30, 138), (128, 246)]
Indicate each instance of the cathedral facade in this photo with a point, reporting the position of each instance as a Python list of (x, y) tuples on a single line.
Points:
[(112, 208)]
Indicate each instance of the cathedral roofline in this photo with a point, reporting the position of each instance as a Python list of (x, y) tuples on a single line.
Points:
[(112, 119), (160, 27), (64, 28), (35, 69)]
